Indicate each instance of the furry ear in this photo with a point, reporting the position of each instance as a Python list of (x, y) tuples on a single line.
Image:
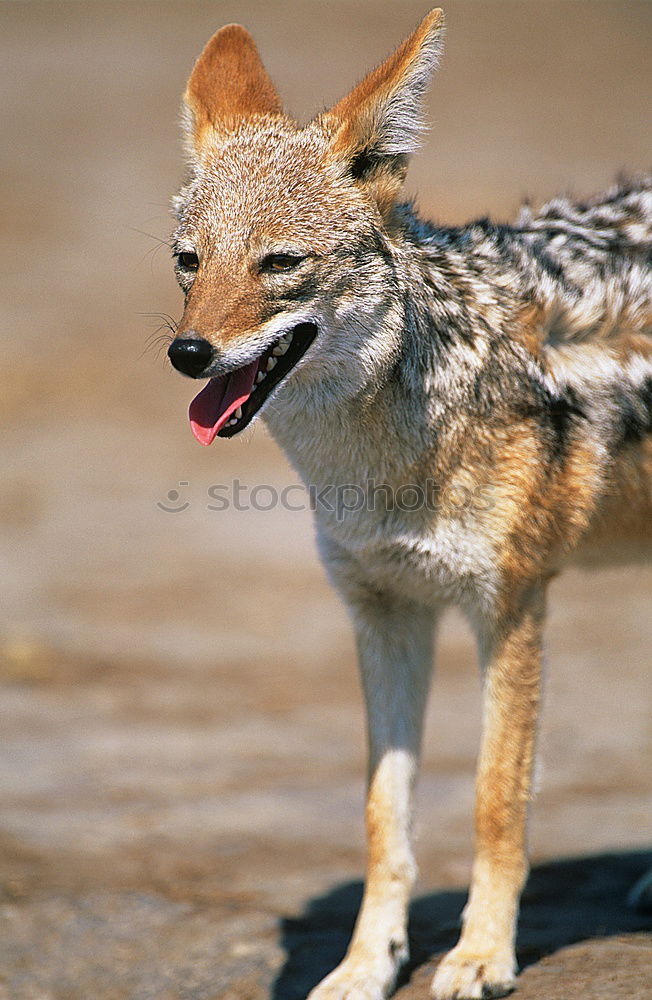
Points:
[(227, 84), (379, 123)]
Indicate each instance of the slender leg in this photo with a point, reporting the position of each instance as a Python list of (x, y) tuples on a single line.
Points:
[(483, 963), (394, 643)]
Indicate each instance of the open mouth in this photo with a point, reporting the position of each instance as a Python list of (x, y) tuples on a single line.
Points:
[(227, 404)]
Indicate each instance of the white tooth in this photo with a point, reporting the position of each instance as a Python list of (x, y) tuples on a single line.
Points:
[(278, 350), (238, 413), (259, 377), (270, 364)]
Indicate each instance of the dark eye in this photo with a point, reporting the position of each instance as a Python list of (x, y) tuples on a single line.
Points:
[(281, 262), (188, 261)]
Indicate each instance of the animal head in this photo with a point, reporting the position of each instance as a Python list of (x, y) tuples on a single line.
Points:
[(283, 246)]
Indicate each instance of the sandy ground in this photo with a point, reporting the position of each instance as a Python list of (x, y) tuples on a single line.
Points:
[(181, 763)]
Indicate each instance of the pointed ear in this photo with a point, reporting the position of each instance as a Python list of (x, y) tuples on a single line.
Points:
[(227, 84), (379, 123)]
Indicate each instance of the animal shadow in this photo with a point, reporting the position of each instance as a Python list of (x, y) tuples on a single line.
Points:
[(564, 902)]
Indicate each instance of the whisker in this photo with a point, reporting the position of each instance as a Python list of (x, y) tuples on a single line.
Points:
[(157, 337), (157, 241), (151, 236), (171, 323), (157, 340)]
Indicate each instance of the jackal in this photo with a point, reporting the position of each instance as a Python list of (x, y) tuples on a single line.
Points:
[(512, 360)]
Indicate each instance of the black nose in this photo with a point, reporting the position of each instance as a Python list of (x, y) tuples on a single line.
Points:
[(190, 355)]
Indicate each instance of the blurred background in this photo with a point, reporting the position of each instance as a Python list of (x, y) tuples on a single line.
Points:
[(182, 752)]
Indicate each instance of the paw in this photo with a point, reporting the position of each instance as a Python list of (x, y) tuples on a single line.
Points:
[(357, 980), (466, 975), (347, 989)]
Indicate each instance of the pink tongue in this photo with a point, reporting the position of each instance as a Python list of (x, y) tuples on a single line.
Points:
[(214, 405)]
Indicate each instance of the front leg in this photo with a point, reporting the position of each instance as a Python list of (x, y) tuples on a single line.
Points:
[(483, 963), (395, 650)]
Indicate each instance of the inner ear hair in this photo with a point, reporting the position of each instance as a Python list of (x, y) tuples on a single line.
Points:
[(378, 124)]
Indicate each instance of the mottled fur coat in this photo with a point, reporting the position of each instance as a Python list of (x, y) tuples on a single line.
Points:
[(480, 399)]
